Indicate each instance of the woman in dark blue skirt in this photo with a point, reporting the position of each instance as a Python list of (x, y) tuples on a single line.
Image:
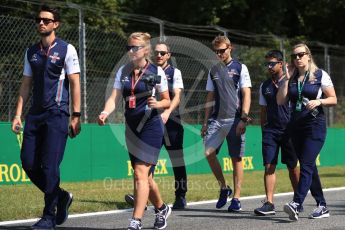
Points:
[(138, 82)]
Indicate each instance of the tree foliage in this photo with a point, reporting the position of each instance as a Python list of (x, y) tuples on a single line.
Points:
[(319, 20), (316, 20), (100, 14)]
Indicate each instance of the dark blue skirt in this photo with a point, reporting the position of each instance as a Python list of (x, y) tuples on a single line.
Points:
[(144, 138)]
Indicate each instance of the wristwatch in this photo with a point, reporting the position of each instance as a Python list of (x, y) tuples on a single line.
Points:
[(76, 114), (244, 117)]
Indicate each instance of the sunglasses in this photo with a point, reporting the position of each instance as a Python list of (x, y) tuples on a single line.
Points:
[(162, 53), (271, 64), (299, 55), (221, 51), (134, 49), (45, 21)]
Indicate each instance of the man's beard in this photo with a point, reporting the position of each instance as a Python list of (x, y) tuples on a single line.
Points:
[(46, 34)]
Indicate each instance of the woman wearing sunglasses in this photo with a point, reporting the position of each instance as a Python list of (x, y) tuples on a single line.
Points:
[(308, 89), (144, 128)]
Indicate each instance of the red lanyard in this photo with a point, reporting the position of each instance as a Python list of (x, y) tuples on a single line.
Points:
[(166, 67), (275, 83), (133, 76), (42, 49)]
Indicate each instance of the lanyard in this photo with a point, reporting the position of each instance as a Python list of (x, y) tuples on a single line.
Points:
[(136, 82), (300, 86), (166, 67), (276, 82), (43, 51)]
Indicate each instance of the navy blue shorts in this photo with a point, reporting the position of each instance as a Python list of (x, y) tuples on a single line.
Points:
[(144, 139), (272, 140), (135, 160)]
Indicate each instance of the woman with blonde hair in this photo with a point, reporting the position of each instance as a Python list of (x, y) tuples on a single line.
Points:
[(308, 89), (138, 82)]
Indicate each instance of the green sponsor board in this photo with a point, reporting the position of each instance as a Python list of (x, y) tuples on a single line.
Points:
[(100, 153)]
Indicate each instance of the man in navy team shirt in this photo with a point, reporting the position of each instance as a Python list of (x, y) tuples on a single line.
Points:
[(274, 120), (50, 67), (226, 116), (173, 139)]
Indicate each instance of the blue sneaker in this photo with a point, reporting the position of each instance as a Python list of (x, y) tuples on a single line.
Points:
[(161, 218), (223, 197), (180, 203), (266, 209), (235, 205), (134, 225), (65, 201), (44, 224), (292, 209), (319, 212), (300, 208)]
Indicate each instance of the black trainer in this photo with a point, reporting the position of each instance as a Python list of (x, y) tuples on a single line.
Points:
[(180, 203), (223, 197), (129, 198), (44, 224), (266, 209), (65, 201)]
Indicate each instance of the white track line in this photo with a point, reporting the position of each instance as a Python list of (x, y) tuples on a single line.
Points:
[(130, 209)]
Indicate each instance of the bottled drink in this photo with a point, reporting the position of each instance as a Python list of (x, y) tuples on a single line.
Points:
[(314, 111)]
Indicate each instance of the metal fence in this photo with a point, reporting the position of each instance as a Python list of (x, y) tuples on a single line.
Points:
[(102, 52)]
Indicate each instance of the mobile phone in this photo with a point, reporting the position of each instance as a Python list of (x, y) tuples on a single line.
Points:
[(71, 132)]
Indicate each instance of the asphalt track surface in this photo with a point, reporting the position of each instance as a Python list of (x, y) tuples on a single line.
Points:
[(204, 215)]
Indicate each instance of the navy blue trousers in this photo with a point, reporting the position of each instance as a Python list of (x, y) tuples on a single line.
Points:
[(308, 140), (173, 142), (42, 151)]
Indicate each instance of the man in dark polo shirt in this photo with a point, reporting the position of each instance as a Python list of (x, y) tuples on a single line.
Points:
[(51, 67)]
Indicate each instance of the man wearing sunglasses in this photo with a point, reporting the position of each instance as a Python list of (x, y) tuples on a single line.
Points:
[(51, 67), (173, 138), (226, 116), (274, 119)]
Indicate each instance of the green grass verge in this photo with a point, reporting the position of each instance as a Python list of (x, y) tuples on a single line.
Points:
[(26, 201), (339, 125)]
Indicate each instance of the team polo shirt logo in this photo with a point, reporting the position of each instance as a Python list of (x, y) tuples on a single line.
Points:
[(125, 79), (75, 60), (33, 58), (313, 82), (232, 72), (267, 91), (54, 57)]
